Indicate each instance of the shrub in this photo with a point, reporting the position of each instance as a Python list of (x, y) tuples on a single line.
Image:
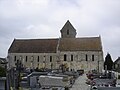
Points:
[(2, 72)]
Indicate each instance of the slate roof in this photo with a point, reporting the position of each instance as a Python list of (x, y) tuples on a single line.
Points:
[(33, 46), (116, 61), (50, 45), (3, 59), (80, 44)]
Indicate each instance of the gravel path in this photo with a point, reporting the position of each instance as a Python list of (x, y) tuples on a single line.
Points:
[(80, 84)]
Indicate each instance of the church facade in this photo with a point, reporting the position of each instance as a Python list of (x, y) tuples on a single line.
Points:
[(74, 53)]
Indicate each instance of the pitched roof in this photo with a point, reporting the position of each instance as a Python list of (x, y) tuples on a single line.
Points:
[(118, 60), (33, 46), (80, 44), (50, 45), (2, 60), (68, 25)]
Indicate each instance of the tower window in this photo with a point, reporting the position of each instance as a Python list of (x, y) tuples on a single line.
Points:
[(68, 32), (86, 57), (65, 57)]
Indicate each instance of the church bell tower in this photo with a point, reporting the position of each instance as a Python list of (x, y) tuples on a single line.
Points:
[(68, 31)]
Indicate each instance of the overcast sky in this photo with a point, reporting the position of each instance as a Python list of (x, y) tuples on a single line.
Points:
[(23, 19)]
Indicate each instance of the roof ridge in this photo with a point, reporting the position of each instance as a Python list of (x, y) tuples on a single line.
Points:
[(82, 38), (89, 37), (40, 39)]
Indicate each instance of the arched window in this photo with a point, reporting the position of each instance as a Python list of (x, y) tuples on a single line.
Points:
[(38, 59), (86, 57), (65, 57), (26, 58), (15, 58), (50, 58), (92, 57), (71, 57), (68, 32)]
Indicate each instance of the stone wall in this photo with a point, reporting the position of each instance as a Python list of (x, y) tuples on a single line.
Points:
[(78, 62)]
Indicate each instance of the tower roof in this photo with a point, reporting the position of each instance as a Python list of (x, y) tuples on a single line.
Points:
[(68, 31), (68, 25)]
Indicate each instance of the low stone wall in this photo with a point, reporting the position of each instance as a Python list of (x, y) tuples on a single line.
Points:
[(117, 75)]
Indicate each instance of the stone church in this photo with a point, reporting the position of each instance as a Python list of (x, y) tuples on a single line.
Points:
[(74, 53)]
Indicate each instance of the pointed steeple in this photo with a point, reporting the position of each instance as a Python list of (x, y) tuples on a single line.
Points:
[(68, 31)]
